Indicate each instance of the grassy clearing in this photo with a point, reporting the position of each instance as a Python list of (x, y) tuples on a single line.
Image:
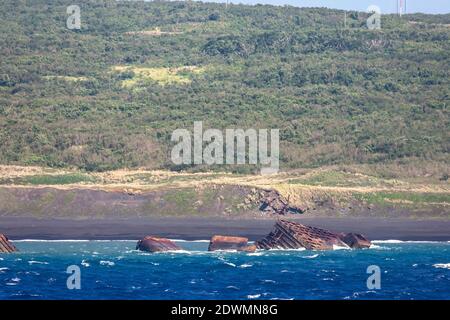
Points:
[(405, 198), (153, 32), (339, 179), (66, 78), (163, 76), (63, 179), (208, 27)]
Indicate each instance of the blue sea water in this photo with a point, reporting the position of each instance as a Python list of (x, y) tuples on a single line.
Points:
[(114, 270)]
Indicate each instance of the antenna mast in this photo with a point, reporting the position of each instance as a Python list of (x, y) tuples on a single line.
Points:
[(401, 7)]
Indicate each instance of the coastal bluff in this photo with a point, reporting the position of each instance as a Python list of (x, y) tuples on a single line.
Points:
[(5, 245)]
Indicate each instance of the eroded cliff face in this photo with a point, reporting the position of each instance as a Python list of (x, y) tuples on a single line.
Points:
[(203, 200), (215, 200), (291, 235), (272, 202), (76, 203)]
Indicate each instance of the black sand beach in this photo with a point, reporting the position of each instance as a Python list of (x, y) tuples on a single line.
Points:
[(203, 228)]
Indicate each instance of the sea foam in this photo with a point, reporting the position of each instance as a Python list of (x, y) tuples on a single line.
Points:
[(442, 265)]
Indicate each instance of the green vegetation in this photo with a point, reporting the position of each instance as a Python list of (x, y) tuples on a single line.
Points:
[(339, 95), (162, 76), (50, 179), (405, 198), (357, 190), (337, 179)]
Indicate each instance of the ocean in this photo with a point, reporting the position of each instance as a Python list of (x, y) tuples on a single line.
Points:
[(115, 270)]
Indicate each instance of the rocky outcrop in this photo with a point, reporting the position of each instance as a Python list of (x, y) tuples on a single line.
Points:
[(273, 202), (5, 245), (230, 243), (155, 244), (292, 235)]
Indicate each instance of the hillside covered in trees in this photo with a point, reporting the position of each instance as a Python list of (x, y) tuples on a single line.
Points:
[(109, 95)]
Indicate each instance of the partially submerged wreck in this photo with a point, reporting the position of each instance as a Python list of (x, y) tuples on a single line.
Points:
[(285, 235), (156, 244), (230, 243), (291, 235), (5, 245)]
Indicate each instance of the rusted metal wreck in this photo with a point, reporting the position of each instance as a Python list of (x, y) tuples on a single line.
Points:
[(156, 244), (291, 235), (5, 245)]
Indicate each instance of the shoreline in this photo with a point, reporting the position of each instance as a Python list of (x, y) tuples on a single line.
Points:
[(194, 228)]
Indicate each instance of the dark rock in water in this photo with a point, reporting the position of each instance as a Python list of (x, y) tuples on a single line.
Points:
[(274, 203), (230, 243), (292, 235), (355, 240), (155, 244), (5, 245)]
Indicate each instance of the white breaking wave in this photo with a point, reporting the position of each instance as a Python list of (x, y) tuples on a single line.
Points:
[(388, 241), (253, 296), (311, 257), (407, 241), (245, 265), (37, 262), (256, 254), (70, 240), (13, 282), (181, 240), (107, 263), (442, 265), (229, 264), (175, 252), (280, 249), (268, 281), (335, 247), (39, 240), (233, 287)]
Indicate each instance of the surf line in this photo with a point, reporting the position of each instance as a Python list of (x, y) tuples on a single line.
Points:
[(182, 310)]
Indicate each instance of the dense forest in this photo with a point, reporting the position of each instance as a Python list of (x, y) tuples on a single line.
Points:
[(110, 94)]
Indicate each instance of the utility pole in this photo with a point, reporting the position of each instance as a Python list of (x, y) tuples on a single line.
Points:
[(401, 7)]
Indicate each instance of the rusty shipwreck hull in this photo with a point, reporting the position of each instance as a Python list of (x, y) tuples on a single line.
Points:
[(5, 245), (291, 235), (156, 244), (218, 242)]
